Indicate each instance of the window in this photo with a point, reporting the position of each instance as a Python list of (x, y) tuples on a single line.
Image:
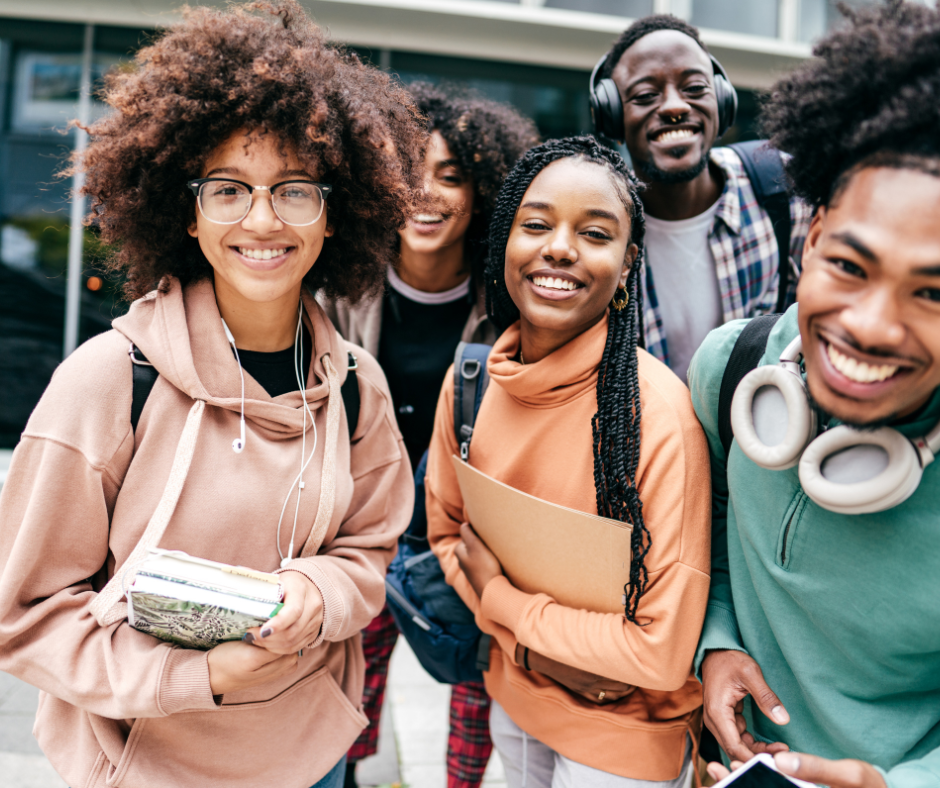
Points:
[(756, 17), (631, 8)]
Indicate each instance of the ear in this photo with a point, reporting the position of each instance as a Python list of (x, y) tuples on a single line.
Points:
[(192, 229), (815, 232), (628, 261)]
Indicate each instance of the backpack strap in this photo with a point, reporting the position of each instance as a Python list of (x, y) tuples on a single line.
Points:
[(764, 168), (350, 392), (469, 368), (144, 377), (745, 356)]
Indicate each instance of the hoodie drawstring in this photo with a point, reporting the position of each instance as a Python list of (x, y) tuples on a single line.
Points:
[(328, 474), (107, 606)]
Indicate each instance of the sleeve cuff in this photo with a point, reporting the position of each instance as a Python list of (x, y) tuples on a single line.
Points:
[(334, 609), (719, 633), (184, 685), (503, 603)]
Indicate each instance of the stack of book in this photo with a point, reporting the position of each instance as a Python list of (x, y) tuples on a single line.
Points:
[(197, 603)]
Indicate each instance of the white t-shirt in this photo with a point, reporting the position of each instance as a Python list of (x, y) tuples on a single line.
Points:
[(686, 283)]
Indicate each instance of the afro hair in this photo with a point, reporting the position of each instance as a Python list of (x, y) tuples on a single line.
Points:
[(643, 27), (871, 97), (256, 66)]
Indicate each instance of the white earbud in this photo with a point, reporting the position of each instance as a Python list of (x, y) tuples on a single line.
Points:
[(844, 470), (238, 445)]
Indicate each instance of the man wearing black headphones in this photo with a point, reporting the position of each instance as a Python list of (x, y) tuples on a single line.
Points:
[(713, 232), (821, 641)]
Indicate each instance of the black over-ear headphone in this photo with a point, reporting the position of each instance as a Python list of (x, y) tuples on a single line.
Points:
[(607, 106)]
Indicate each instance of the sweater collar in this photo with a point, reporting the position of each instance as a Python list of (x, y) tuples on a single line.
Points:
[(568, 373)]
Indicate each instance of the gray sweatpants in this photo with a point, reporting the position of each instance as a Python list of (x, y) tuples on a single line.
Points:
[(530, 764)]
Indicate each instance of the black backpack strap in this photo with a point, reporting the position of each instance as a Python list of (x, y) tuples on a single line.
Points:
[(350, 392), (764, 168), (469, 368), (745, 356), (144, 376)]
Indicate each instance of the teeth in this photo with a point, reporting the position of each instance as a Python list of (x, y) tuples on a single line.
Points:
[(261, 254), (429, 218), (553, 283), (675, 135), (859, 371)]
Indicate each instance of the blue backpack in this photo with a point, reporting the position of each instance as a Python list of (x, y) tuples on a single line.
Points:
[(438, 626)]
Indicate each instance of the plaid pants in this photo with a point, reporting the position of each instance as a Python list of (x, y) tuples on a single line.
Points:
[(468, 743)]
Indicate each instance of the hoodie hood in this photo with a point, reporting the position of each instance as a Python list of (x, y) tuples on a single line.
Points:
[(180, 332)]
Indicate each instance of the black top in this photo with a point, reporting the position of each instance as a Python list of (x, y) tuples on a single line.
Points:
[(275, 371), (417, 346)]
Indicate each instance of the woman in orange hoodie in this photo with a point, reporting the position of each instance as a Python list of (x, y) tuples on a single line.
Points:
[(577, 415), (247, 162)]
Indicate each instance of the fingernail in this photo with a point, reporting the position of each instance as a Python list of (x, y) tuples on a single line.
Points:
[(266, 631), (249, 638), (777, 712), (788, 762)]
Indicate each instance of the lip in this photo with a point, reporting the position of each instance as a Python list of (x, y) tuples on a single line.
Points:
[(263, 265), (428, 228), (845, 387), (550, 294)]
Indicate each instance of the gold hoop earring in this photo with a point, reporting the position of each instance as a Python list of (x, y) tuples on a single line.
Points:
[(622, 303)]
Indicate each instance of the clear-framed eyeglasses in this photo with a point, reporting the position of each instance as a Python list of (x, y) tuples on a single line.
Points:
[(226, 201)]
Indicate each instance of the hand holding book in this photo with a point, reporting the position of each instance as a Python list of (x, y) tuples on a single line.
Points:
[(298, 622)]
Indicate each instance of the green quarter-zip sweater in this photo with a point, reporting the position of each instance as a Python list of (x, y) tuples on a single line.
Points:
[(841, 612)]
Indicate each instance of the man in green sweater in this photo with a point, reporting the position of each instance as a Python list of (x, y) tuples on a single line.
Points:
[(821, 643)]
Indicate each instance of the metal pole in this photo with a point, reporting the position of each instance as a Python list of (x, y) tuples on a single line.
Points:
[(73, 291)]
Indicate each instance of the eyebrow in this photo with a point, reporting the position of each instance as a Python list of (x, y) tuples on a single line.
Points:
[(447, 163), (598, 213), (241, 173), (850, 240), (855, 243)]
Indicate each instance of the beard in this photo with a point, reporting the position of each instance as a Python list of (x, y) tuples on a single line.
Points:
[(654, 174), (824, 417)]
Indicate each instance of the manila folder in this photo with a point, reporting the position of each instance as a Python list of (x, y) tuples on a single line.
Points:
[(580, 560)]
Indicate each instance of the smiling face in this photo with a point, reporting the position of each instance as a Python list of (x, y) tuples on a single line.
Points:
[(670, 112), (869, 297), (260, 259), (569, 249), (444, 223)]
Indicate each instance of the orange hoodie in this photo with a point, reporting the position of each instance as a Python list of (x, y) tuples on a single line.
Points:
[(119, 707), (533, 432)]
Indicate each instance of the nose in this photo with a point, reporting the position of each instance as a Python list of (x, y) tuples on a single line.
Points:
[(560, 247), (874, 321), (261, 218), (673, 107)]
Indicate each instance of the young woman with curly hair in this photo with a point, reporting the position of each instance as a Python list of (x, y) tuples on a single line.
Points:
[(246, 162), (433, 300), (581, 698)]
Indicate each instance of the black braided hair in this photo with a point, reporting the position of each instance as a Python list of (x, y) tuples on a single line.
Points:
[(643, 27), (616, 425)]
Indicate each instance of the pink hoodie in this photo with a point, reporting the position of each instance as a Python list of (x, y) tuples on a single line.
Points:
[(118, 707)]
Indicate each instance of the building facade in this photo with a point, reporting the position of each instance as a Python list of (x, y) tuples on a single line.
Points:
[(535, 54)]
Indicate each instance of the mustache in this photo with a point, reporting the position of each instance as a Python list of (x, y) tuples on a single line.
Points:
[(875, 351)]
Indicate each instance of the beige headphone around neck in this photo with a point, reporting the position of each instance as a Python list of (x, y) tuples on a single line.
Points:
[(844, 469)]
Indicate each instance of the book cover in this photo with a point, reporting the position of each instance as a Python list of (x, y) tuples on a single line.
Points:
[(190, 602)]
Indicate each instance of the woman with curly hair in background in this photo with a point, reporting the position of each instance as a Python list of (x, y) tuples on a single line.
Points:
[(433, 300), (247, 162)]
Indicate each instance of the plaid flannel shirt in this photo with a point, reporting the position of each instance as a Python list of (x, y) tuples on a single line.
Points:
[(744, 249)]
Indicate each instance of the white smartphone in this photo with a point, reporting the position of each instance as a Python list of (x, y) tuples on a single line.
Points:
[(761, 772)]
